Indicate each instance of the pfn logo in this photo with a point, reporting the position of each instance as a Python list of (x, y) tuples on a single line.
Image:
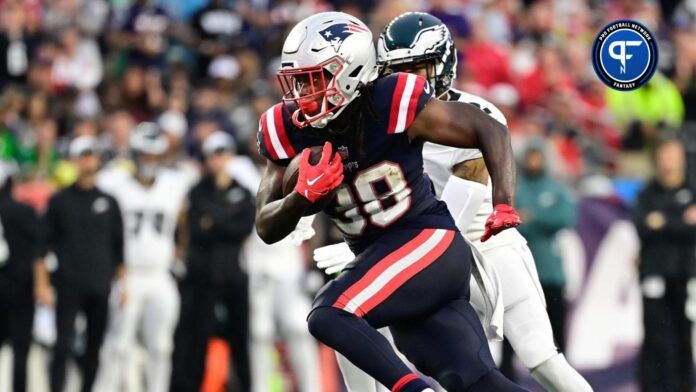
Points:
[(624, 55), (621, 55)]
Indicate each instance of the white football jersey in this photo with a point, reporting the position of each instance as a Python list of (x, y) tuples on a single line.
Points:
[(149, 215), (438, 161)]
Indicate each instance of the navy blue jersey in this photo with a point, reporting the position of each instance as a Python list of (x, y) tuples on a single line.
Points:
[(384, 186)]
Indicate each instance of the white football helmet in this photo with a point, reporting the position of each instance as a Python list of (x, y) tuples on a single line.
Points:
[(326, 58), (148, 145)]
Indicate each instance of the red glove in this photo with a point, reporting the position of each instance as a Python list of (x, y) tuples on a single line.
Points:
[(503, 217), (316, 181)]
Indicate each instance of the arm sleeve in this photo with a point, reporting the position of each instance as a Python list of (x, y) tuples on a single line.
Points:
[(117, 232), (463, 198), (34, 232), (30, 227), (236, 222), (640, 212), (197, 232), (676, 227), (230, 223), (49, 227)]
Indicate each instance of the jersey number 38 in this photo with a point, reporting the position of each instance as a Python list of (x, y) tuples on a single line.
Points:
[(379, 194)]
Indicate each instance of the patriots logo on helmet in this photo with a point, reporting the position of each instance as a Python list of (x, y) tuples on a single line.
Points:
[(337, 33)]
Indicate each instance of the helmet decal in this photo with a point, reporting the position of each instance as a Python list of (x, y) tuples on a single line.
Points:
[(417, 38), (325, 61), (431, 38), (337, 33)]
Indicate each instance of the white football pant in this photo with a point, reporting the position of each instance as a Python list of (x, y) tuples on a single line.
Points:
[(280, 301), (151, 313)]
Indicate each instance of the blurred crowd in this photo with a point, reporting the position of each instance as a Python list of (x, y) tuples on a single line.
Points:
[(97, 68), (70, 67)]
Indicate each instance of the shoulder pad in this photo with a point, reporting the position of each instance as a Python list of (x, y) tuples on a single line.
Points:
[(273, 141), (403, 96), (486, 106)]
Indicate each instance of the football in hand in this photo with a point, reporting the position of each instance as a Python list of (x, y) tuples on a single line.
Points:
[(292, 173)]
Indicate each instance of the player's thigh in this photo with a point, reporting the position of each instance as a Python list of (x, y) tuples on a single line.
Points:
[(405, 274), (161, 314), (526, 323), (477, 300), (517, 272), (449, 345)]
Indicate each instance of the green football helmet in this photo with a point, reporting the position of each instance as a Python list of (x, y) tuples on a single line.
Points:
[(414, 38)]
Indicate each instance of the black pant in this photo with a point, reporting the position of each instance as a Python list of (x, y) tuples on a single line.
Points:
[(666, 363), (16, 318), (556, 307), (416, 282), (197, 324), (70, 301)]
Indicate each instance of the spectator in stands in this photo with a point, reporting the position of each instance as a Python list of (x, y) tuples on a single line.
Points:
[(546, 207), (78, 62), (685, 70), (141, 92), (19, 234), (85, 231), (17, 44), (217, 29), (665, 217), (144, 33), (641, 113), (220, 217), (118, 126)]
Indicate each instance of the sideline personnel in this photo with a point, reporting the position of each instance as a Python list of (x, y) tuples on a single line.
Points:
[(85, 231)]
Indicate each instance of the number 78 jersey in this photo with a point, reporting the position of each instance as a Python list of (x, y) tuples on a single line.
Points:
[(384, 187), (149, 216)]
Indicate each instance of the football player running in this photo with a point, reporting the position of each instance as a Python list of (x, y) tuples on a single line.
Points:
[(505, 275), (151, 202), (412, 267)]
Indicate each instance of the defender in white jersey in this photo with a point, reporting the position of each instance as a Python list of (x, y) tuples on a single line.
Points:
[(506, 294), (151, 201)]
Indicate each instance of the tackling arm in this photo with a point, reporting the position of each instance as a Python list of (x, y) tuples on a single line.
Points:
[(462, 125)]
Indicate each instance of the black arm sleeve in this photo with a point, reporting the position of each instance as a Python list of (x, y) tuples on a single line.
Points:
[(236, 222), (229, 222), (198, 232), (117, 232), (49, 227), (33, 231)]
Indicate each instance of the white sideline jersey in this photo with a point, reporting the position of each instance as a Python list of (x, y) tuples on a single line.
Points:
[(149, 215), (438, 161)]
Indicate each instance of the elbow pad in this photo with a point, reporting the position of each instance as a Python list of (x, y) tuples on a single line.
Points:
[(463, 198)]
